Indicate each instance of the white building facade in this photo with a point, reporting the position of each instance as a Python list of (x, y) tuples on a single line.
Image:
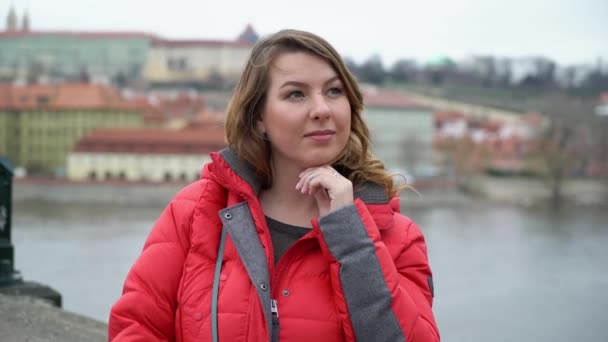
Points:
[(135, 167)]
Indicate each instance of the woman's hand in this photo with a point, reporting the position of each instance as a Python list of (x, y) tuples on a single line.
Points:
[(330, 189)]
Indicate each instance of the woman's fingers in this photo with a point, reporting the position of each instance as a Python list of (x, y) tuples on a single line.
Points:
[(311, 179), (331, 189), (305, 176)]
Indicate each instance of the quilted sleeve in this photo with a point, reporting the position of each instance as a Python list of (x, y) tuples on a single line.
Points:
[(382, 297), (146, 309)]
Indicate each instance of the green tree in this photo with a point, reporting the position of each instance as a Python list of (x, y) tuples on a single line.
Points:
[(372, 70), (403, 70)]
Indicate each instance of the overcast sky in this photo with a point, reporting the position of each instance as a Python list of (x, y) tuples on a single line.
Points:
[(569, 31)]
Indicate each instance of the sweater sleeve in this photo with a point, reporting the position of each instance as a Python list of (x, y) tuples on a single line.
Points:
[(386, 298), (146, 309)]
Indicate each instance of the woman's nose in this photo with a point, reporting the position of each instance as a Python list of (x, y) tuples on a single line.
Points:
[(320, 108)]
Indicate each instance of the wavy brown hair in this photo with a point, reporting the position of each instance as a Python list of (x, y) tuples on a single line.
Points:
[(356, 161)]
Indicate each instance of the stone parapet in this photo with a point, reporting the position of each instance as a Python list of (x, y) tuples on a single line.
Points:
[(24, 318)]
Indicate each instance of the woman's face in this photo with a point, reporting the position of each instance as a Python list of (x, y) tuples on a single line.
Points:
[(306, 113)]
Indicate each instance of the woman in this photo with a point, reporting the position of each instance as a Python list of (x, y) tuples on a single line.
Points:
[(296, 213)]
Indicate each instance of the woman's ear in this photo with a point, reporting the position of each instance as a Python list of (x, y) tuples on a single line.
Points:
[(260, 127)]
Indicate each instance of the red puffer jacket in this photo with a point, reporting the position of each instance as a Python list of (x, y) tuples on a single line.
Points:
[(361, 273)]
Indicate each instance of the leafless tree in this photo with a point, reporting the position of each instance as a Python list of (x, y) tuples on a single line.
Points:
[(565, 143), (413, 152)]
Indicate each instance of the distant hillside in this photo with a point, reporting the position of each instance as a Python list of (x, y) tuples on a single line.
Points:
[(517, 99)]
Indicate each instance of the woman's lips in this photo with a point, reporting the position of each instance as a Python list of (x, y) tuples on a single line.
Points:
[(321, 136)]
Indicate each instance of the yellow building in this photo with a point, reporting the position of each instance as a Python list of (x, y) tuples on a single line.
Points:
[(197, 62), (39, 124)]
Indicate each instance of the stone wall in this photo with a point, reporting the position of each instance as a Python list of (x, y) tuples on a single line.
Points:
[(34, 320)]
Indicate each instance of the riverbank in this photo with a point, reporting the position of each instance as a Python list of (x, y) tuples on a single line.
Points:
[(28, 319), (496, 190), (532, 192)]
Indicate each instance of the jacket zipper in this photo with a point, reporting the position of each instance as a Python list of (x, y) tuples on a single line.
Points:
[(274, 309), (274, 337), (274, 274), (274, 283)]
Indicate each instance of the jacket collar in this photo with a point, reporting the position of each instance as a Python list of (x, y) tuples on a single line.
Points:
[(369, 193), (230, 165)]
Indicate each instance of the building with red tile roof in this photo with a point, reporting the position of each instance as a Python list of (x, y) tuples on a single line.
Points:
[(172, 109), (196, 62), (248, 35), (153, 141), (144, 154), (487, 144), (124, 58), (39, 124), (72, 55), (602, 104), (401, 131), (198, 43), (64, 96), (78, 34), (376, 97)]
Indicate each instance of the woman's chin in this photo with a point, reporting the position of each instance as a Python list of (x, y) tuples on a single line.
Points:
[(319, 161)]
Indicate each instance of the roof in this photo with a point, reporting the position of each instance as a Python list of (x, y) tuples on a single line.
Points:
[(248, 35), (157, 141), (200, 43), (440, 61), (442, 116), (65, 96), (161, 106), (603, 98), (388, 98), (79, 34)]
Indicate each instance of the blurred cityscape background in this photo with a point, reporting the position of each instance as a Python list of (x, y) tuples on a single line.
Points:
[(508, 156)]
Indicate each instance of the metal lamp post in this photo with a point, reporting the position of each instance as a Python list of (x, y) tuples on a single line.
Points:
[(8, 275), (11, 282)]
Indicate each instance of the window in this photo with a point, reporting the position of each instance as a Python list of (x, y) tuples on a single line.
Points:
[(177, 64), (42, 99)]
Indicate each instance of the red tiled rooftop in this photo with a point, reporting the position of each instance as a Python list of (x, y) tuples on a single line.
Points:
[(199, 43), (385, 98), (448, 116), (200, 140), (182, 105), (533, 119), (154, 39), (492, 125), (83, 34), (67, 96), (248, 35)]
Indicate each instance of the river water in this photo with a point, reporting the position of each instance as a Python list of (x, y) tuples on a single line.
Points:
[(501, 273)]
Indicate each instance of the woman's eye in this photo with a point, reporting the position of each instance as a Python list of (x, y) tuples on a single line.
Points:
[(335, 91), (295, 94)]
